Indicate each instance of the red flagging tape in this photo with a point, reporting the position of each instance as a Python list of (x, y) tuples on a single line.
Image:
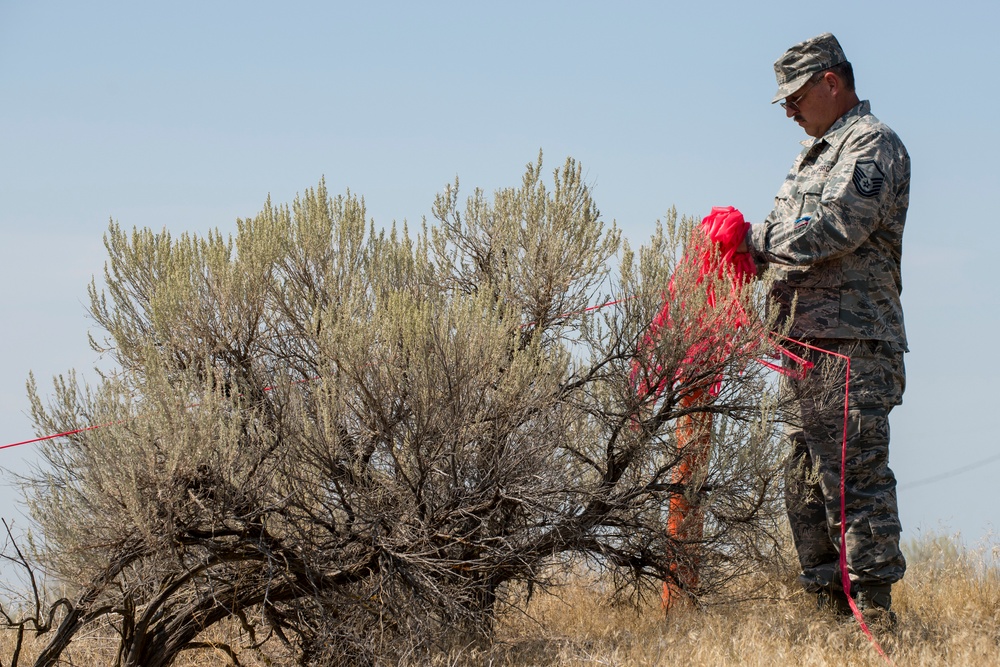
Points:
[(91, 428), (844, 574), (57, 435)]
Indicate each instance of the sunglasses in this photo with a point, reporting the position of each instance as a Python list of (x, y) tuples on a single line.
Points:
[(794, 104)]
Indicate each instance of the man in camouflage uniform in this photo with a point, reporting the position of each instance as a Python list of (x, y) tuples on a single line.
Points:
[(835, 239)]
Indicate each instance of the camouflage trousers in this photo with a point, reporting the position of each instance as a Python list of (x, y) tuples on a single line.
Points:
[(815, 432)]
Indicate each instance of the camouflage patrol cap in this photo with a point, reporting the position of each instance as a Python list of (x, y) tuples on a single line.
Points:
[(800, 62)]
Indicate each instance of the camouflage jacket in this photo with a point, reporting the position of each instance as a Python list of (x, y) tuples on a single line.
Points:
[(835, 234)]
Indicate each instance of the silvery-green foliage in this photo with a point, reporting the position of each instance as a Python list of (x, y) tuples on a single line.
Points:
[(360, 439)]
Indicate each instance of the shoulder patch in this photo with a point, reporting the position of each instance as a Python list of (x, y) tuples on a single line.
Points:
[(867, 178)]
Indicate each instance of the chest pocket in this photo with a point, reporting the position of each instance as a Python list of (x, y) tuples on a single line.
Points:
[(795, 206), (809, 195)]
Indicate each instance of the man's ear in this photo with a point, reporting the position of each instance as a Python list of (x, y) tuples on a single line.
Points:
[(833, 82)]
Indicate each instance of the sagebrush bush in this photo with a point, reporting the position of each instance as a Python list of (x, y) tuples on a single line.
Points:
[(361, 444)]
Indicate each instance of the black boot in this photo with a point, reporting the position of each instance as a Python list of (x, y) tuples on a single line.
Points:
[(874, 603), (833, 599)]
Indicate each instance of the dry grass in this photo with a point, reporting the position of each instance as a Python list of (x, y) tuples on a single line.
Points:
[(948, 606)]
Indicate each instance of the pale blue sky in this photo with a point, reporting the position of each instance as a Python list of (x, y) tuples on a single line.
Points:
[(187, 115)]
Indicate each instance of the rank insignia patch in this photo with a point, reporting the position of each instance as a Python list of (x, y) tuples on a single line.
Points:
[(867, 178)]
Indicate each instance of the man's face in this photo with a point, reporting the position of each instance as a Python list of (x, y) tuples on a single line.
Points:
[(813, 106)]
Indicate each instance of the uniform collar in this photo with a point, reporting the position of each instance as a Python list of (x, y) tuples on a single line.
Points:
[(841, 125)]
